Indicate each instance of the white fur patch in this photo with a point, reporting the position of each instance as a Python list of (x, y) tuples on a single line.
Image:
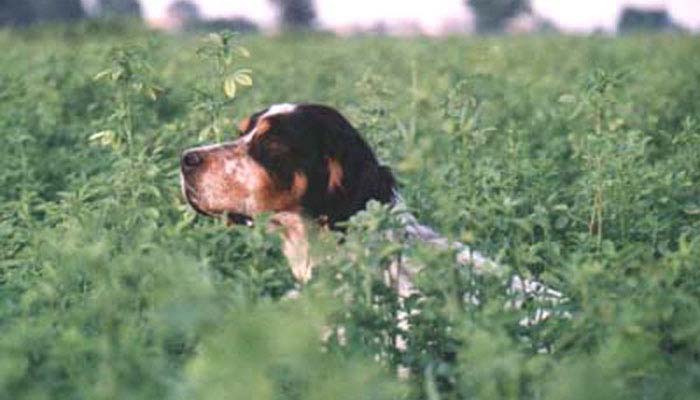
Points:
[(230, 166), (284, 108), (183, 185), (247, 138), (277, 109)]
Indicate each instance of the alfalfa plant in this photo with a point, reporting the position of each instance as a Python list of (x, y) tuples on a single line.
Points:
[(222, 51), (130, 74), (598, 148)]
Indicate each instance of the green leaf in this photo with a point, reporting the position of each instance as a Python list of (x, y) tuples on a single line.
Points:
[(561, 222), (101, 134), (567, 98), (230, 87), (103, 138), (152, 91), (102, 74), (243, 51), (116, 74), (243, 78)]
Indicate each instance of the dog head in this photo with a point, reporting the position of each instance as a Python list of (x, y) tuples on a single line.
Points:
[(304, 159)]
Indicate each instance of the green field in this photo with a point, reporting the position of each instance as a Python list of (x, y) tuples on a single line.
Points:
[(572, 160)]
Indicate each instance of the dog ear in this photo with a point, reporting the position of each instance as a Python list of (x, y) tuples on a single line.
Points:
[(346, 174)]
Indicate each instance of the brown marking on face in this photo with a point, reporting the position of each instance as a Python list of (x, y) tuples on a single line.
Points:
[(244, 125), (271, 198), (335, 175)]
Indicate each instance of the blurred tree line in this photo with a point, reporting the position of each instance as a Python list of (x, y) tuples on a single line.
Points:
[(293, 15), (186, 16), (634, 20), (27, 12), (491, 16), (118, 8)]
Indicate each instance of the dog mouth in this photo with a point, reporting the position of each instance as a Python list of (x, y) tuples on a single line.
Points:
[(232, 218), (190, 195), (238, 219)]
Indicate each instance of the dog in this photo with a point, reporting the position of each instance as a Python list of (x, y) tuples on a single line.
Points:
[(310, 168), (304, 163)]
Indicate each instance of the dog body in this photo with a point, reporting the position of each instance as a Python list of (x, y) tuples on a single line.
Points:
[(310, 168)]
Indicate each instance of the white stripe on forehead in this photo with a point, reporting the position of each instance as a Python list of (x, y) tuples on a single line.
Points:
[(277, 109), (284, 108)]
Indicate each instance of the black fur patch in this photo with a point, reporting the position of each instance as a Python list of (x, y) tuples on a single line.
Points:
[(303, 141)]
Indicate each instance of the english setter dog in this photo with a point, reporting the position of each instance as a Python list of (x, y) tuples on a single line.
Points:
[(308, 166)]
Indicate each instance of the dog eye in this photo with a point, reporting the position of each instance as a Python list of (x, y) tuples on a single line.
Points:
[(275, 148), (268, 149)]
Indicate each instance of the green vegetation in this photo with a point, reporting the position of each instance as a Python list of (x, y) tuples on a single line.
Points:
[(574, 160)]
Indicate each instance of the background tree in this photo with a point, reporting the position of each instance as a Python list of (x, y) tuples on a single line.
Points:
[(25, 12), (119, 8), (296, 14), (635, 20), (234, 24), (492, 15), (16, 13), (184, 12), (58, 10)]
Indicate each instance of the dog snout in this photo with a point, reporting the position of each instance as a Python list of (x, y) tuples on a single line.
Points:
[(191, 159)]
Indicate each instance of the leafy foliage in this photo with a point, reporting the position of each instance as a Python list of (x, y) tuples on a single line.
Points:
[(578, 166)]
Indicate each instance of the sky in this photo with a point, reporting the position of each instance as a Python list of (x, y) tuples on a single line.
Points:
[(571, 15)]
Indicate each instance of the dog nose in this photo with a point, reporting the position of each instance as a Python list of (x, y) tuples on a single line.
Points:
[(191, 159)]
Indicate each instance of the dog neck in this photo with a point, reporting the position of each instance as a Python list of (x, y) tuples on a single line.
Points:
[(294, 229)]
